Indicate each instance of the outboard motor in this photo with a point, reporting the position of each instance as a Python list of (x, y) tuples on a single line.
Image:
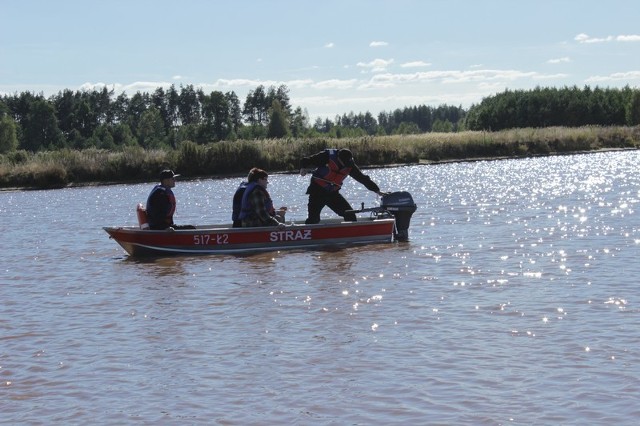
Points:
[(401, 206)]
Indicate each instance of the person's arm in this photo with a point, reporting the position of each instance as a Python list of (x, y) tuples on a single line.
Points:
[(257, 200), (357, 174), (315, 160)]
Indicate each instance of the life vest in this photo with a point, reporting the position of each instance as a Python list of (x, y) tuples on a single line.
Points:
[(141, 212), (247, 207), (152, 215), (331, 175), (237, 201)]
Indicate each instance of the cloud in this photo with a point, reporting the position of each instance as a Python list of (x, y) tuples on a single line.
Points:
[(377, 65), (379, 81), (378, 44), (618, 76), (628, 38), (136, 86), (415, 64), (559, 60), (329, 45), (388, 80), (237, 82), (334, 84), (584, 38), (176, 77)]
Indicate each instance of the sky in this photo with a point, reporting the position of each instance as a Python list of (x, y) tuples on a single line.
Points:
[(335, 56)]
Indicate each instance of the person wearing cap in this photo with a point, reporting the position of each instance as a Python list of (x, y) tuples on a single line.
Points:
[(256, 207), (332, 166), (161, 204)]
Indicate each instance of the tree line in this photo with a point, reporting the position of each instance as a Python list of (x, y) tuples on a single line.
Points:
[(165, 118), (548, 107)]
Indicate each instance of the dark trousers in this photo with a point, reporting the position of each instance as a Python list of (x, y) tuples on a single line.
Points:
[(319, 198)]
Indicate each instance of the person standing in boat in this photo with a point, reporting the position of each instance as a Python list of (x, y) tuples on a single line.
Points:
[(332, 167), (256, 206), (161, 203)]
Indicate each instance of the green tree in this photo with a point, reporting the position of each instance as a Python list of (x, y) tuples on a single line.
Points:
[(235, 110), (41, 131), (120, 109), (64, 103), (255, 109), (278, 126), (443, 126), (299, 122), (84, 119), (159, 100), (151, 132), (8, 134), (215, 112), (633, 109), (189, 107), (102, 137), (123, 136), (100, 102), (406, 128)]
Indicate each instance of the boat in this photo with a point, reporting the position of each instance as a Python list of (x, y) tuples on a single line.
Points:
[(384, 224)]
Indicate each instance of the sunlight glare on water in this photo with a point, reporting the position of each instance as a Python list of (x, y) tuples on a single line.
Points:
[(514, 302)]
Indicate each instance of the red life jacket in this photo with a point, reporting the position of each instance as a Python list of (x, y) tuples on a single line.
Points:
[(330, 177)]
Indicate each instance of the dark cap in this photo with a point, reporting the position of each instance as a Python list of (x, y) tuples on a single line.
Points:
[(167, 174)]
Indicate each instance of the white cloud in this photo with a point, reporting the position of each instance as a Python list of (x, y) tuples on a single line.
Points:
[(633, 37), (176, 77), (584, 38), (377, 65), (221, 82), (618, 76), (550, 76), (382, 91), (559, 60), (378, 44), (329, 45), (299, 84), (334, 84), (388, 80), (131, 88), (415, 64)]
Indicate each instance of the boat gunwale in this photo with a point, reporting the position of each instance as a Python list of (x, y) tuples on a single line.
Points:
[(142, 248)]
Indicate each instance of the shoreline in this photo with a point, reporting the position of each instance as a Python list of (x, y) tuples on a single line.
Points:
[(383, 166)]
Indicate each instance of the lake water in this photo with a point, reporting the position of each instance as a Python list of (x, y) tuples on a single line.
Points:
[(516, 301)]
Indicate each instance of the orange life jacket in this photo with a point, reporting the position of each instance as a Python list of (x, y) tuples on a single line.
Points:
[(330, 177)]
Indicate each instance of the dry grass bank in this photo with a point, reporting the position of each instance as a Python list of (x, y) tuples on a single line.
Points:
[(60, 168)]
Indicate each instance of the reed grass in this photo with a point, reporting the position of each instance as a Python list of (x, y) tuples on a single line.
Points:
[(21, 169)]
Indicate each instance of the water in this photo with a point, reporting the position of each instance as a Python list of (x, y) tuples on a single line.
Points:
[(516, 301)]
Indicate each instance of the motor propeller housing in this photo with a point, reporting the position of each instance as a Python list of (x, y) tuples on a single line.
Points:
[(401, 206)]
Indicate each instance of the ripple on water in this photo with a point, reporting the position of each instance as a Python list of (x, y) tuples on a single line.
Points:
[(513, 302)]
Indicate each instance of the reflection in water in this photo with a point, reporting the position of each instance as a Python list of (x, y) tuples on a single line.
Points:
[(160, 267)]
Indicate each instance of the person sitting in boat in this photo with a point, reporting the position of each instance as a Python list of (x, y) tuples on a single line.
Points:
[(332, 167), (161, 203), (237, 203), (256, 206)]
